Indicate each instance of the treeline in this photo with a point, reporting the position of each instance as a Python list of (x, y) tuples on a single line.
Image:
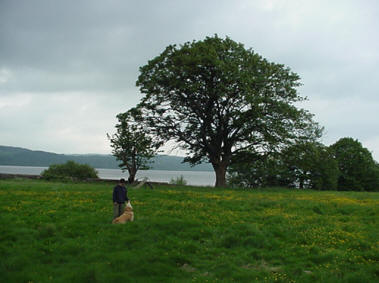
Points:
[(345, 165), (24, 157)]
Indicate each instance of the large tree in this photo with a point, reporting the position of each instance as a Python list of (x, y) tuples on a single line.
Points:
[(216, 99), (132, 144)]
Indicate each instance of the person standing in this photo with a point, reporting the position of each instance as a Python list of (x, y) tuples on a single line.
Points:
[(120, 196)]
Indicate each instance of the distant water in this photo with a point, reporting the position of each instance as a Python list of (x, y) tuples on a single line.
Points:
[(196, 178)]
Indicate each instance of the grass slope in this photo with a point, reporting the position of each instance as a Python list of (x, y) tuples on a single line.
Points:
[(61, 232)]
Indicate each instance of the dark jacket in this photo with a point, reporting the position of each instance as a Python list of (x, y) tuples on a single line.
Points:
[(120, 194)]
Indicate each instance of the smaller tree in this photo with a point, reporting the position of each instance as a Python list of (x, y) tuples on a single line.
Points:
[(358, 169), (132, 144), (310, 165), (251, 170), (303, 165)]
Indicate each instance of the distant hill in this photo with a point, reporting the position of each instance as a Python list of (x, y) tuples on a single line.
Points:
[(17, 156)]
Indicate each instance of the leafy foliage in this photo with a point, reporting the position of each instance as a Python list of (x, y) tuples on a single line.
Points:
[(303, 165), (215, 99), (132, 144), (310, 165), (69, 171), (253, 171), (358, 170), (345, 165)]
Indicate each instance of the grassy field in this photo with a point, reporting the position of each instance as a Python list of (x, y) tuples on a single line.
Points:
[(61, 232)]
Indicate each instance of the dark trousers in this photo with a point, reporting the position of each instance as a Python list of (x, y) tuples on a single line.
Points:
[(118, 209)]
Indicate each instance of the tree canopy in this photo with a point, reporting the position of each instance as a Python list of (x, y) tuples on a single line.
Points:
[(304, 165), (310, 165), (358, 170), (217, 99), (345, 165)]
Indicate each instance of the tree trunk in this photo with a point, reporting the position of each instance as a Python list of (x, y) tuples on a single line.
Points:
[(132, 175), (301, 185), (220, 170)]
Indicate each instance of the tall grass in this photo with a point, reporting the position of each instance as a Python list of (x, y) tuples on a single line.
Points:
[(62, 232)]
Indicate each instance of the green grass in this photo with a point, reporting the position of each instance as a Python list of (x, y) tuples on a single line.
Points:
[(61, 232)]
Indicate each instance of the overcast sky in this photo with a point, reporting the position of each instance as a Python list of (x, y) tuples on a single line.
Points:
[(67, 68)]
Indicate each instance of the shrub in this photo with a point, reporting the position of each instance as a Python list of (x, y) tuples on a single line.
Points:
[(179, 181), (69, 171)]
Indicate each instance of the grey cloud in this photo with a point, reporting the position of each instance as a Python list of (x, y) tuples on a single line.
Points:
[(92, 50), (86, 45)]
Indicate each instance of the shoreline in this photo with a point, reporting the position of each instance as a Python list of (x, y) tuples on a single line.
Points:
[(195, 178), (4, 176)]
